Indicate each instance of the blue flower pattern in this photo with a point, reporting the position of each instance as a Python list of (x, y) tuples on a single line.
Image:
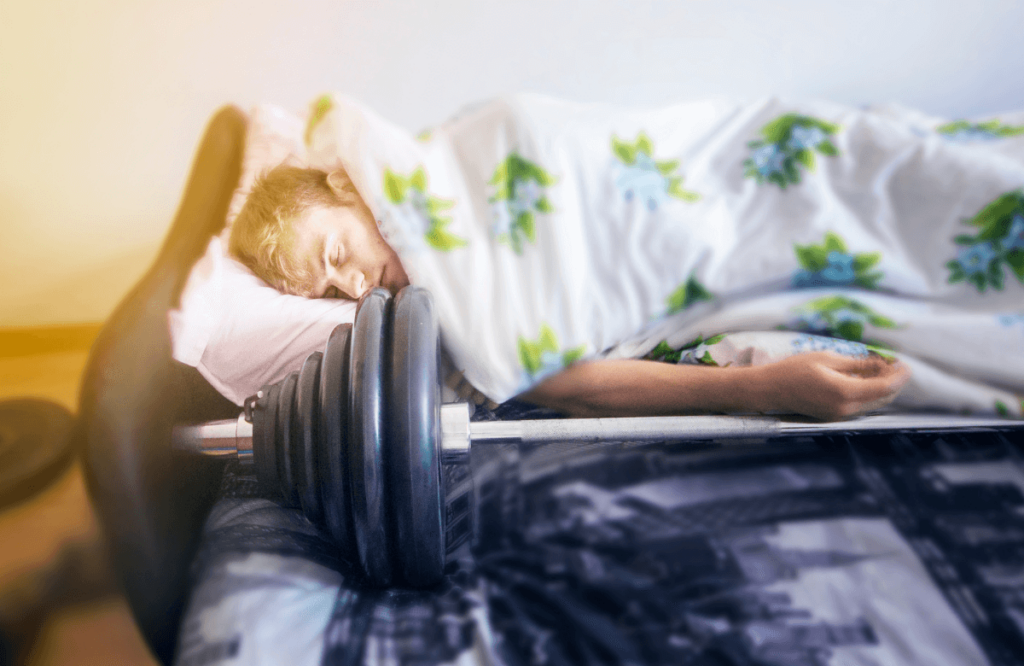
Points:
[(814, 343), (550, 363), (1010, 320), (643, 180), (971, 134), (839, 273), (831, 264), (639, 176), (525, 196), (975, 259), (815, 321), (409, 205), (413, 215), (1014, 239), (768, 159), (802, 137), (839, 317), (982, 258), (789, 144), (520, 196)]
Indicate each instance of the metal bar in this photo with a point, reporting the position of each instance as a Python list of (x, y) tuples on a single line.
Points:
[(233, 437), (663, 428), (633, 429), (919, 422), (229, 437)]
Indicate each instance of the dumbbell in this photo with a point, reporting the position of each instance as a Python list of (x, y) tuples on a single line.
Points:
[(352, 438), (357, 436)]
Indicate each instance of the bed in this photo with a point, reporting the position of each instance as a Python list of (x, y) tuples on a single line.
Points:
[(894, 547)]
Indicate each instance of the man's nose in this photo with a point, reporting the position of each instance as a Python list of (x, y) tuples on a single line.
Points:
[(352, 282)]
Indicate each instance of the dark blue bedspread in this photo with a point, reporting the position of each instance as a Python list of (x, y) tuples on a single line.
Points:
[(896, 548)]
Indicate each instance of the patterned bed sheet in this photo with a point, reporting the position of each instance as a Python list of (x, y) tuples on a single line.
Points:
[(897, 548)]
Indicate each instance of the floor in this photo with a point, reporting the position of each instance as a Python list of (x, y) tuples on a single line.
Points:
[(33, 533)]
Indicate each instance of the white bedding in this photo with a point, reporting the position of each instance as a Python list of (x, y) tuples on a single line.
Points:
[(549, 232)]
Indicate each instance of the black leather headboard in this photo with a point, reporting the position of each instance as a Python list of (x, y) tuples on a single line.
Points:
[(151, 501)]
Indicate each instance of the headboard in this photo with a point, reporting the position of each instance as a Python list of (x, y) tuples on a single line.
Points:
[(151, 502)]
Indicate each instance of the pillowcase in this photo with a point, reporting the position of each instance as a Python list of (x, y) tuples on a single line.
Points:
[(239, 332)]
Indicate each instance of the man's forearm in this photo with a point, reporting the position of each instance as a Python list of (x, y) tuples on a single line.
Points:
[(628, 387), (818, 384)]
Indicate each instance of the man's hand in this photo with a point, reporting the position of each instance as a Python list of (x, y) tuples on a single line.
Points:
[(828, 386)]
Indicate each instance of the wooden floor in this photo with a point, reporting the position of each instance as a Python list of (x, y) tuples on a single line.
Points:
[(32, 533)]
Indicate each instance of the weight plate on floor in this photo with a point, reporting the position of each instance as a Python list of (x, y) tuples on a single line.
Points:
[(331, 449), (35, 446), (414, 439), (307, 431), (285, 436), (366, 452), (264, 450)]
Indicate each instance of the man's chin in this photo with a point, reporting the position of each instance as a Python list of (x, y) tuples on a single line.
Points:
[(396, 287), (395, 278)]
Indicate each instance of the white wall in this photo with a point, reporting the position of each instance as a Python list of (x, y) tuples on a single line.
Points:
[(102, 102)]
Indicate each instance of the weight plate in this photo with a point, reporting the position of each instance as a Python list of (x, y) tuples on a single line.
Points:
[(366, 463), (35, 446), (284, 436), (331, 449), (414, 439), (264, 451), (307, 430)]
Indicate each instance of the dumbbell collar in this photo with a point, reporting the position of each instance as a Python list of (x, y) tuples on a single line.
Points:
[(228, 437)]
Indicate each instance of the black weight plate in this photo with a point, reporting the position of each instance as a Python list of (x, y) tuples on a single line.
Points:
[(331, 450), (307, 431), (414, 439), (35, 446), (264, 450), (284, 436), (366, 452)]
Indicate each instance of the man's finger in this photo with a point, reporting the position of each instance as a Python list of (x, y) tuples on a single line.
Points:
[(885, 381)]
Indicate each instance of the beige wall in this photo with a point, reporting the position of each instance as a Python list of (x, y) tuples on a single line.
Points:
[(102, 101)]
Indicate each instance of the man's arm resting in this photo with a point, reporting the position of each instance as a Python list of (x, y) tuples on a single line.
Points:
[(820, 385)]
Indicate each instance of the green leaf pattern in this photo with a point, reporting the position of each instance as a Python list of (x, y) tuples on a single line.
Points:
[(520, 195), (831, 264), (320, 107), (998, 244), (694, 352), (414, 206), (965, 131), (789, 145), (839, 317), (543, 356), (688, 293)]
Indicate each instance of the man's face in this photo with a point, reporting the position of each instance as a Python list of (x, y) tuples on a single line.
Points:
[(345, 253)]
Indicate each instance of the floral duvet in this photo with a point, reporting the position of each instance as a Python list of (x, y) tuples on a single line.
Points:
[(710, 232)]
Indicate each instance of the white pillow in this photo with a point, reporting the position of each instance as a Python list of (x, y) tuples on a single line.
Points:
[(239, 332)]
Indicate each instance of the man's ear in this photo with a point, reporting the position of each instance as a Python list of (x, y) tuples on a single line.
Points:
[(339, 183)]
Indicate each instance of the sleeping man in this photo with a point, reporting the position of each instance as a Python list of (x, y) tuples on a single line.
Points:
[(815, 259), (307, 232)]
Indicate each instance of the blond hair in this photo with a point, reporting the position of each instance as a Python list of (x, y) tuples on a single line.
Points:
[(263, 233)]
